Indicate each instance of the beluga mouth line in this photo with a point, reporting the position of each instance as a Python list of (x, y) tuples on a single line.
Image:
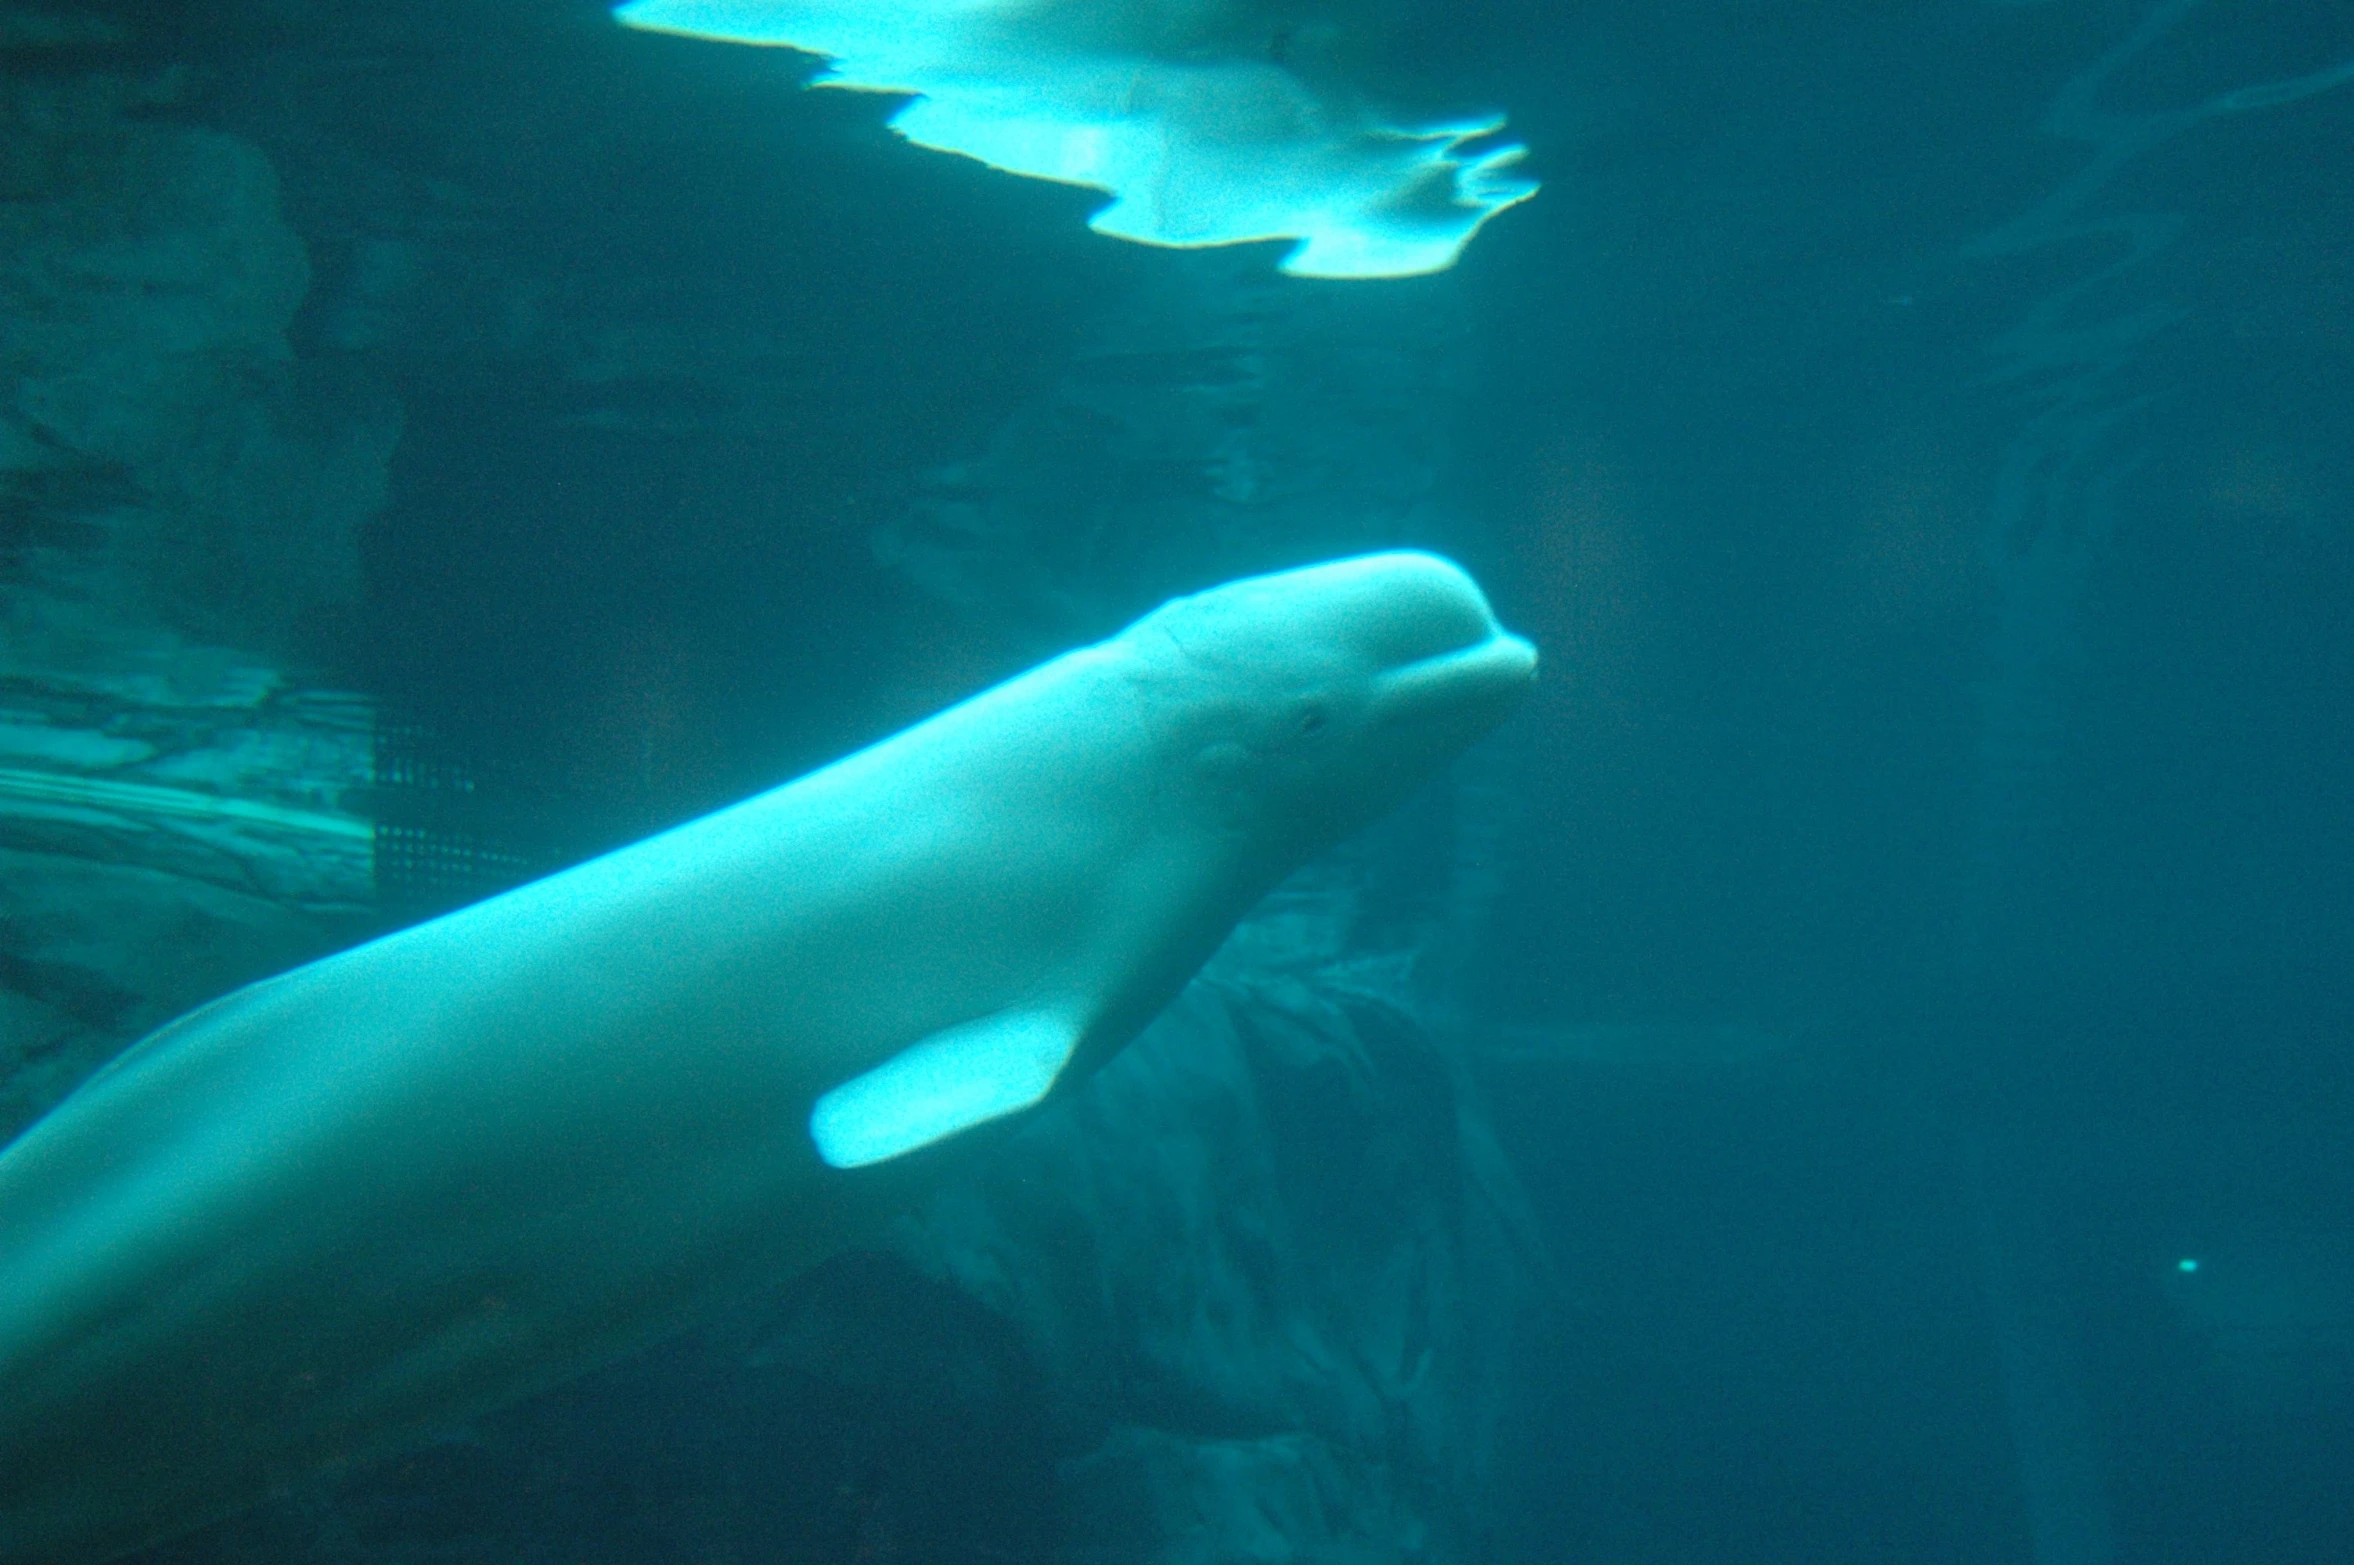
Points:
[(326, 1216)]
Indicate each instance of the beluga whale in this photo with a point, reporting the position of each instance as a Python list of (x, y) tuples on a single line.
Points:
[(336, 1212)]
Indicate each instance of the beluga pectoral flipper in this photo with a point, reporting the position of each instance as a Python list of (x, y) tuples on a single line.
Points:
[(430, 1176), (951, 1081)]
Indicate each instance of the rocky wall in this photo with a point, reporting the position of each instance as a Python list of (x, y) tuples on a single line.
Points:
[(181, 810)]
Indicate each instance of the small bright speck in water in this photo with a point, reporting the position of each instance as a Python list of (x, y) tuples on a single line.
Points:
[(2187, 1265)]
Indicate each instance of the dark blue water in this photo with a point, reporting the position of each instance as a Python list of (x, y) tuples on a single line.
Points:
[(1933, 468)]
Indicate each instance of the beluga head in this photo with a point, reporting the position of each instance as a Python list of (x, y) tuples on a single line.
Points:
[(1316, 699), (1149, 789), (1121, 807)]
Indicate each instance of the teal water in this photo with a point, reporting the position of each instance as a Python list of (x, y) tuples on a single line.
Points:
[(1861, 1069)]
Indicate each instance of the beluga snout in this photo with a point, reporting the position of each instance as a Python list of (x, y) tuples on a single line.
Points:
[(1427, 635), (1439, 639), (1328, 693), (1449, 672), (1477, 685)]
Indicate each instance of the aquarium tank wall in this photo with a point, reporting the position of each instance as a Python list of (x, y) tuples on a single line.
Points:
[(1857, 1067)]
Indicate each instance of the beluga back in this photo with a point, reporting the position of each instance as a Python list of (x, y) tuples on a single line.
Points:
[(321, 1218)]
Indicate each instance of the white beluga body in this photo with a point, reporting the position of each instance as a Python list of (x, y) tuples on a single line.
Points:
[(342, 1209), (1208, 122)]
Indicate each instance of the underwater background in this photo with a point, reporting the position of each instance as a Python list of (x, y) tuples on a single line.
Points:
[(1860, 1069)]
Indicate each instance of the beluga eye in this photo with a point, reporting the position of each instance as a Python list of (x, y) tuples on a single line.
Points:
[(1311, 719)]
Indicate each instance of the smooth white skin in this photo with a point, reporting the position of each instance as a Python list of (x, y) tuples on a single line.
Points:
[(427, 1177), (1200, 138)]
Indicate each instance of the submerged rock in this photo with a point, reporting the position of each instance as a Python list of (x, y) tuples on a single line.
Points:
[(1268, 1278)]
